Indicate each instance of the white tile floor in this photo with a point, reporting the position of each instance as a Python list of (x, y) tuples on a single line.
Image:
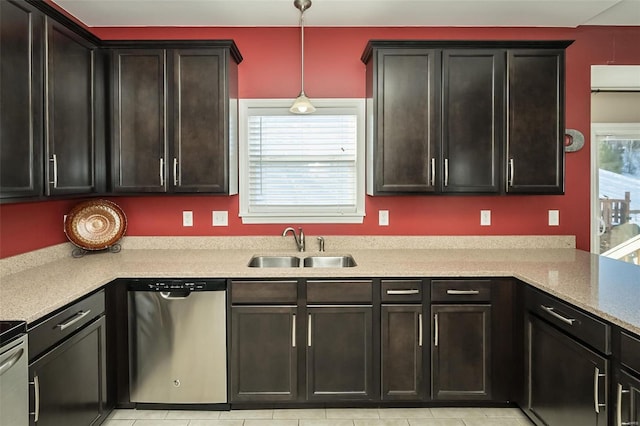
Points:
[(323, 417)]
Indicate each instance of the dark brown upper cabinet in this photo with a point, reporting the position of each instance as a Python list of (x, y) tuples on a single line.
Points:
[(21, 106), (472, 120), (175, 119), (402, 104), (70, 143), (465, 116), (535, 138)]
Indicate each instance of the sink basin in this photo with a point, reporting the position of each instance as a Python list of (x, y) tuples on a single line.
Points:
[(329, 262), (274, 262)]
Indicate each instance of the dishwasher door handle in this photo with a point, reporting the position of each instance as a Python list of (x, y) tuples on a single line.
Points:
[(174, 295)]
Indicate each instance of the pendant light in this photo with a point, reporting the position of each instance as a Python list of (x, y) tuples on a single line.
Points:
[(302, 104)]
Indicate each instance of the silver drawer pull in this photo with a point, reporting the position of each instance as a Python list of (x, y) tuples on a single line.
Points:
[(54, 160), (77, 317), (408, 291), (463, 292), (309, 330), (433, 172), (619, 421), (554, 314), (435, 330)]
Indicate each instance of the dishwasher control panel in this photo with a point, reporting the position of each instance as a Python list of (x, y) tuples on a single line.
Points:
[(165, 285)]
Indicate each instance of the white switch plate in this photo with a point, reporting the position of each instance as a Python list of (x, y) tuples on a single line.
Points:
[(554, 218), (220, 218), (485, 217), (383, 217), (187, 218)]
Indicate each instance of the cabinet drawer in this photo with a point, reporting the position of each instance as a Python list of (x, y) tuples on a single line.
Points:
[(630, 351), (339, 291), (401, 290), (585, 327), (460, 290), (252, 292), (54, 329)]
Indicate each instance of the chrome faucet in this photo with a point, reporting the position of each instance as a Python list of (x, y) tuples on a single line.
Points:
[(299, 237)]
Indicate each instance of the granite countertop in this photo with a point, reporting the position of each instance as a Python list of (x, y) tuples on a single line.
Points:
[(607, 288)]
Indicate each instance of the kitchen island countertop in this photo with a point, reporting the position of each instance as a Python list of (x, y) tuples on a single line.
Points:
[(607, 288)]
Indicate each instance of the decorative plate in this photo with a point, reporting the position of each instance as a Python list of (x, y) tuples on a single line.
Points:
[(95, 224)]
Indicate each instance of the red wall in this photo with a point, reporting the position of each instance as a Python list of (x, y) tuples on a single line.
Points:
[(333, 69)]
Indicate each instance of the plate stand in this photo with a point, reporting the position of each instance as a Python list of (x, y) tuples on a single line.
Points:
[(80, 252)]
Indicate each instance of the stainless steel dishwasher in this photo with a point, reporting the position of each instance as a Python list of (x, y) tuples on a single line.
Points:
[(177, 341), (14, 375)]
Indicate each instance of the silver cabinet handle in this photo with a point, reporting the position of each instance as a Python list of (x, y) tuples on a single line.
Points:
[(462, 292), (511, 172), (619, 421), (433, 172), (161, 171), (77, 317), (175, 171), (309, 331), (420, 330), (54, 160), (36, 387), (407, 291), (435, 333), (554, 314), (596, 386), (293, 330), (446, 172), (10, 362)]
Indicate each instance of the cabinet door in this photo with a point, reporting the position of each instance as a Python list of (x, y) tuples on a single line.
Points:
[(461, 352), (535, 138), (70, 380), (263, 353), (402, 340), (339, 353), (70, 142), (139, 136), (405, 117), (472, 120), (20, 100), (566, 381), (200, 121), (627, 399)]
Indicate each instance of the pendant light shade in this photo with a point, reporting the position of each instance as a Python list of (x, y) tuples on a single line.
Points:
[(302, 104)]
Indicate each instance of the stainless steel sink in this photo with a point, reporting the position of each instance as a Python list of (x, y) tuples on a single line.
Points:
[(329, 262), (274, 262)]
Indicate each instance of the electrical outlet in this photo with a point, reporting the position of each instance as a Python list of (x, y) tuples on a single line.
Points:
[(485, 217), (187, 218), (554, 218), (383, 217), (220, 218)]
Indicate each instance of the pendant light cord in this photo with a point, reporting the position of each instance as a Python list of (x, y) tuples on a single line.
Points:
[(302, 51)]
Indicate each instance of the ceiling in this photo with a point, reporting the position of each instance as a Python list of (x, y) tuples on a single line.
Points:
[(354, 13)]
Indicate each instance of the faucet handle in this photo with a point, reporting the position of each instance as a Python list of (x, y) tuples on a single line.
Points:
[(321, 243)]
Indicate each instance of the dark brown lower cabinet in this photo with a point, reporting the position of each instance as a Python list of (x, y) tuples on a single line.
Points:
[(566, 380), (627, 399), (69, 381), (461, 352), (339, 353), (263, 353), (402, 351)]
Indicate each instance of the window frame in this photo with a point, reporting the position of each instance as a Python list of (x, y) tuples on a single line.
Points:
[(304, 215)]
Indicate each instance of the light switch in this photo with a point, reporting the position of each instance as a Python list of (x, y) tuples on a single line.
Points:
[(383, 217), (554, 218), (220, 218), (187, 218), (485, 217)]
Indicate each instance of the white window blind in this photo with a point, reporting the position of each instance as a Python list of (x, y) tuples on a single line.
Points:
[(303, 168)]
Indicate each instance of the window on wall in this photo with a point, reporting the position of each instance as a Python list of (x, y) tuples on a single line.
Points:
[(302, 168)]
